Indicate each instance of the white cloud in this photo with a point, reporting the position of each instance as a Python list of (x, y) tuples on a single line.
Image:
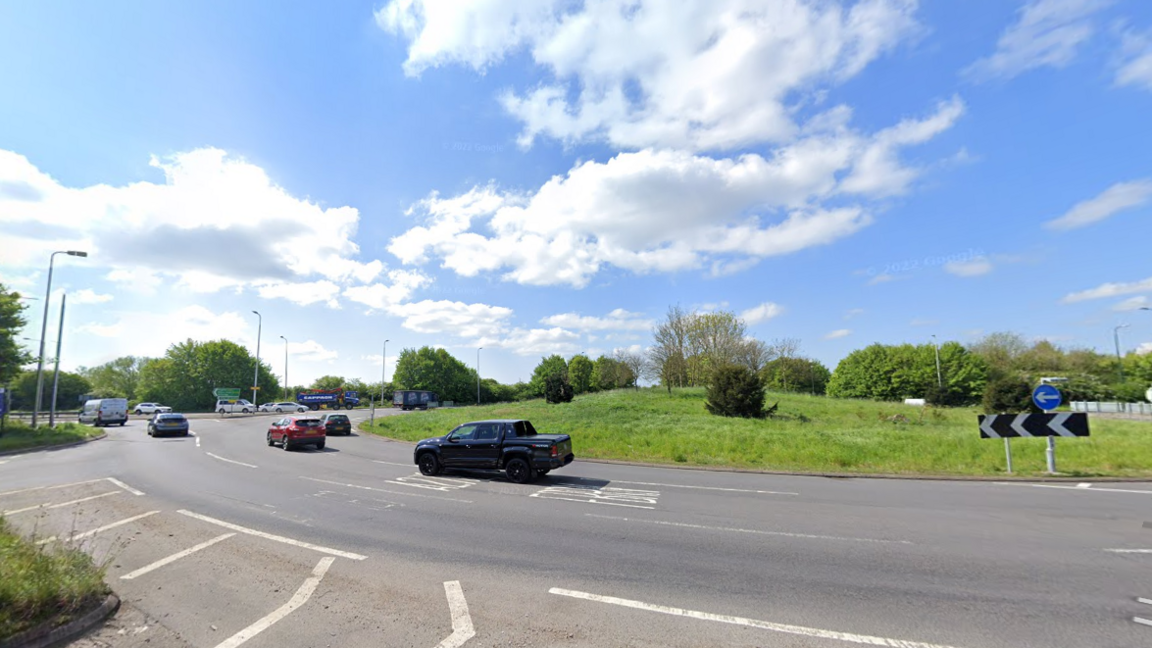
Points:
[(234, 226), (86, 296), (384, 296), (692, 74), (1133, 303), (761, 313), (974, 268), (838, 333), (453, 318), (15, 281), (310, 351), (139, 281), (527, 342), (1135, 67), (1048, 33), (303, 293), (853, 313), (1117, 198), (617, 320), (1144, 348), (880, 279), (149, 334), (1110, 290)]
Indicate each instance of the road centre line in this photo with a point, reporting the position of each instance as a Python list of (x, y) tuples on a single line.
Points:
[(714, 488), (269, 536), (299, 598), (60, 505), (232, 461), (1077, 488), (125, 486), (751, 623), (36, 488), (462, 629), (751, 531), (174, 557), (383, 490), (80, 536)]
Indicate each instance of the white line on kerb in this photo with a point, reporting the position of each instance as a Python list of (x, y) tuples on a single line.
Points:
[(752, 623), (124, 486), (174, 557), (36, 488), (269, 536), (713, 488), (462, 629), (299, 598), (1090, 490), (232, 461), (60, 505), (382, 490), (93, 532), (753, 531)]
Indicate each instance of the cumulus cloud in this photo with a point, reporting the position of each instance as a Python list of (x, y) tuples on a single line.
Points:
[(402, 283), (692, 74), (617, 320), (1047, 33), (1133, 303), (310, 351), (838, 333), (86, 296), (761, 313), (972, 268), (1119, 197), (233, 226), (1110, 290), (302, 293), (454, 318), (149, 334), (1135, 61), (537, 341)]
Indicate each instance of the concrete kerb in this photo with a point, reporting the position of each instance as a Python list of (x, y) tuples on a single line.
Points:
[(833, 475), (60, 446), (49, 634)]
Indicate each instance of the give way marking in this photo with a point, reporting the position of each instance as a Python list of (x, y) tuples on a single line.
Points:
[(462, 629), (751, 623), (626, 497), (299, 598)]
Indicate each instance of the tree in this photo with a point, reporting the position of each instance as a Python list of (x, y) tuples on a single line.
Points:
[(71, 388), (735, 391), (794, 374), (117, 378), (12, 355), (1001, 352), (889, 373), (435, 370), (580, 373), (668, 353), (189, 372), (557, 389), (636, 365), (328, 382), (1008, 395), (605, 374), (714, 340), (552, 365)]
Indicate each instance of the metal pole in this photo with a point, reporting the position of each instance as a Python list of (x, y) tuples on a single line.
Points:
[(1051, 452), (1008, 453), (56, 373), (256, 369), (478, 375), (1119, 358), (285, 366), (939, 375), (43, 334), (383, 371)]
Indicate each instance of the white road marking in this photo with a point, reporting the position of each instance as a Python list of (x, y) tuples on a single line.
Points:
[(299, 598), (125, 486), (1092, 490), (391, 463), (231, 461), (4, 461), (462, 629), (60, 505), (752, 531), (383, 490), (344, 498), (1144, 601), (1146, 622), (713, 488), (626, 497), (80, 536), (269, 536), (36, 488), (174, 557), (752, 623), (1083, 485), (431, 483), (197, 436), (1141, 551)]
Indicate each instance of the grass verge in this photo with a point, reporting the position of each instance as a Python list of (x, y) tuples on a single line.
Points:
[(43, 583), (19, 435), (811, 434)]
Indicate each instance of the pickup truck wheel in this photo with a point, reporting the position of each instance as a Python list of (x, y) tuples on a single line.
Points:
[(429, 464), (519, 472)]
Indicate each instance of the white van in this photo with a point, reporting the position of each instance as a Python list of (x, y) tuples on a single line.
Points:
[(234, 407), (105, 411)]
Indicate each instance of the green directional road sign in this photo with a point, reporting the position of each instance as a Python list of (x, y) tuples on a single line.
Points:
[(226, 393)]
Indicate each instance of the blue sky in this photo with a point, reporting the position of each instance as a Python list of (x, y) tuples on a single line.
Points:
[(537, 177)]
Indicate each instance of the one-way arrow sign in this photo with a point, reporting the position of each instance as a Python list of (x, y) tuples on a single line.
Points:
[(999, 426)]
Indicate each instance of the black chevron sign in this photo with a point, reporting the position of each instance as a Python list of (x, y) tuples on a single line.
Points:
[(1000, 426)]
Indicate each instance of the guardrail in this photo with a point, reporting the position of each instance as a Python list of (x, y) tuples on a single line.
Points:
[(1111, 408)]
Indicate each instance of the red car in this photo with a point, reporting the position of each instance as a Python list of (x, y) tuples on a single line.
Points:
[(292, 431)]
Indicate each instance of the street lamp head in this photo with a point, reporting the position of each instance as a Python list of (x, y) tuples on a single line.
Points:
[(283, 338), (76, 253), (255, 313)]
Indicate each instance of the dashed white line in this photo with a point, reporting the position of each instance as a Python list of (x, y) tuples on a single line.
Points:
[(462, 629), (125, 486), (174, 557), (231, 461), (1147, 622), (391, 463), (1084, 485), (751, 623), (1136, 551), (1090, 490), (197, 437), (752, 531), (269, 536), (1144, 601), (713, 488), (299, 598), (36, 488), (384, 490), (60, 505), (80, 536)]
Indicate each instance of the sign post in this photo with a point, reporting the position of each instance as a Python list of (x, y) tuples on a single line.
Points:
[(1048, 398), (1006, 426), (3, 408)]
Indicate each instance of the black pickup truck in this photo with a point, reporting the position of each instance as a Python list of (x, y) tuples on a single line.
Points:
[(510, 445)]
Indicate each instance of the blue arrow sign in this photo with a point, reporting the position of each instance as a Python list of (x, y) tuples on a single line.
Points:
[(1047, 397)]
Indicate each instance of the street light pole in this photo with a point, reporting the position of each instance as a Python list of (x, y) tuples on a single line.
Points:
[(285, 366), (939, 375), (383, 371), (56, 373), (1119, 359), (256, 369), (44, 333), (478, 375)]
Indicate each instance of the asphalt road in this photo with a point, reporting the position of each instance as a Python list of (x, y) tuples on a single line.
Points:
[(220, 540)]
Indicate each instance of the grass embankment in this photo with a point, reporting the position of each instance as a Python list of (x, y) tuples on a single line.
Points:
[(43, 583), (810, 434), (19, 435)]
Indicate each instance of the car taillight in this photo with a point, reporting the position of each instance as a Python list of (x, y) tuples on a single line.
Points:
[(555, 451)]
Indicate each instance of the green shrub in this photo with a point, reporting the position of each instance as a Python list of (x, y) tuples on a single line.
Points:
[(1008, 395), (557, 389), (736, 391)]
